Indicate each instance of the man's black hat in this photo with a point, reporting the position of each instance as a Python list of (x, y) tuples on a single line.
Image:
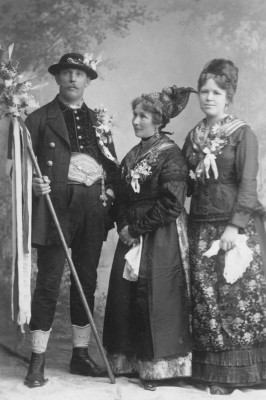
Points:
[(78, 61)]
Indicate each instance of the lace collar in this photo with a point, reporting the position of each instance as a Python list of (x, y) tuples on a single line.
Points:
[(220, 130)]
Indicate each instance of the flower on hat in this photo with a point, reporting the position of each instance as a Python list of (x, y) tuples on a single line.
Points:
[(90, 61)]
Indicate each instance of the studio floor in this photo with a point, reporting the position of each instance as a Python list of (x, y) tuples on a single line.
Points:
[(64, 386)]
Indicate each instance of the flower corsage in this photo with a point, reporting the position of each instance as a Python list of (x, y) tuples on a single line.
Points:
[(212, 148), (141, 171)]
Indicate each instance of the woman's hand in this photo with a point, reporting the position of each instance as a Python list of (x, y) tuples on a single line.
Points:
[(125, 236), (228, 239), (41, 186)]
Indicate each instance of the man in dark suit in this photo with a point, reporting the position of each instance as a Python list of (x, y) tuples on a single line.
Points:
[(79, 168)]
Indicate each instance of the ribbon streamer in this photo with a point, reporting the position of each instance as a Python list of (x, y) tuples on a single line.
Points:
[(209, 162), (135, 182), (21, 222)]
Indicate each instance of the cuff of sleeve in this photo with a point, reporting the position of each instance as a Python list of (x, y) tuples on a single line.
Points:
[(111, 187), (240, 219), (109, 195), (133, 232)]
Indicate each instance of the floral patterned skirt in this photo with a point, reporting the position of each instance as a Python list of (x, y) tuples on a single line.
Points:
[(229, 333)]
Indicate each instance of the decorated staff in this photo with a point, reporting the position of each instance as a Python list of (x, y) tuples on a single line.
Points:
[(15, 99), (73, 186)]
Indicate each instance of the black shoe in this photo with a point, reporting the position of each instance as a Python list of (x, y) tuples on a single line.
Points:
[(220, 390), (82, 364), (147, 385), (35, 373)]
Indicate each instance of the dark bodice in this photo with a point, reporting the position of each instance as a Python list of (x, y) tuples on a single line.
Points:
[(162, 193), (232, 196)]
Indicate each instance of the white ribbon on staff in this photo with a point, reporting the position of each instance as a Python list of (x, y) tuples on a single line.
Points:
[(21, 265), (209, 162)]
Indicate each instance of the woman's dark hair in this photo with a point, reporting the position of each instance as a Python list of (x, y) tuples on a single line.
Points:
[(223, 72), (158, 117)]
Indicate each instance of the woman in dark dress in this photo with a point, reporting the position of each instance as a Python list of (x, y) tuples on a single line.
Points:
[(228, 316), (146, 327)]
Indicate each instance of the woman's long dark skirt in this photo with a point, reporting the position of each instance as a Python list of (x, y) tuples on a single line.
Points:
[(128, 335)]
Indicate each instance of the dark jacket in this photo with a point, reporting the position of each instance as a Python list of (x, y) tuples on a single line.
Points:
[(233, 196), (162, 194), (51, 145)]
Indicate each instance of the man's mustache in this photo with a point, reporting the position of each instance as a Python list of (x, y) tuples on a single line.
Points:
[(69, 86)]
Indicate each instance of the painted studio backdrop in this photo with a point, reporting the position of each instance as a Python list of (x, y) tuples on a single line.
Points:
[(146, 45)]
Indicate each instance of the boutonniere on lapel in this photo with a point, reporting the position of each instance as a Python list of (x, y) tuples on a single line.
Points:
[(104, 123)]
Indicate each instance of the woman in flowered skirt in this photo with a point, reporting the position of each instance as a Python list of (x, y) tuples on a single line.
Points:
[(229, 335)]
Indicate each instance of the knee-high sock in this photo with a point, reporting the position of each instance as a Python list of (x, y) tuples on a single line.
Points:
[(39, 341), (81, 335)]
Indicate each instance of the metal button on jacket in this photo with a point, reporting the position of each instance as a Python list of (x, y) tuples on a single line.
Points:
[(52, 145), (49, 163)]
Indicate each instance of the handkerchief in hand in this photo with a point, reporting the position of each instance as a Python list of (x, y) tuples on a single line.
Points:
[(236, 260), (132, 257)]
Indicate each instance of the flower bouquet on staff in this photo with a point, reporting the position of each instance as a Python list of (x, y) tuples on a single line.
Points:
[(14, 90)]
